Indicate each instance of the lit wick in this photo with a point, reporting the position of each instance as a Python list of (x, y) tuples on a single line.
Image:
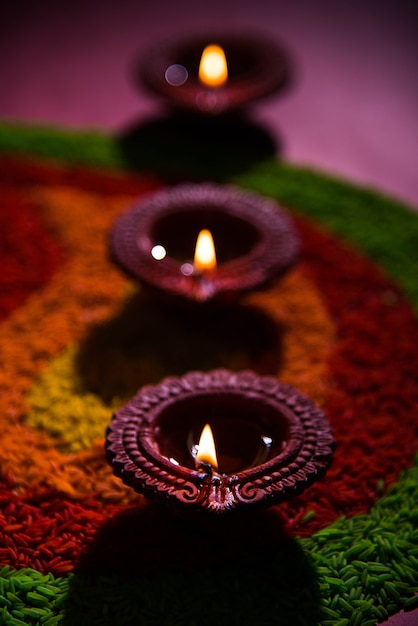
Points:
[(206, 451), (213, 70), (204, 256)]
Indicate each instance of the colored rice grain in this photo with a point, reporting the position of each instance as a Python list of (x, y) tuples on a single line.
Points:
[(29, 256), (45, 531), (345, 587), (63, 405), (366, 564), (29, 597), (382, 227), (82, 294), (300, 345)]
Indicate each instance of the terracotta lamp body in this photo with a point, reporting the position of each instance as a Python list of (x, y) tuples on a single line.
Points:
[(254, 238), (272, 442)]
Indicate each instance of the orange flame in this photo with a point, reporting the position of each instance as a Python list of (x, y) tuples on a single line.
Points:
[(213, 70), (205, 256), (206, 449)]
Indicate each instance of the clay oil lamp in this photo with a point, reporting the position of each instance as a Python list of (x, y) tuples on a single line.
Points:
[(214, 74), (219, 442), (204, 243)]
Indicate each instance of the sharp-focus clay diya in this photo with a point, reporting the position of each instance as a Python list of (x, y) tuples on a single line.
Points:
[(219, 442), (214, 74), (204, 242)]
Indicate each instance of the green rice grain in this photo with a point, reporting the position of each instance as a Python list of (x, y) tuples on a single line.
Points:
[(353, 580), (308, 516), (346, 606), (35, 612), (36, 599), (381, 612), (53, 621), (48, 591), (329, 612), (378, 567), (18, 614), (14, 621), (411, 603), (334, 582), (357, 549)]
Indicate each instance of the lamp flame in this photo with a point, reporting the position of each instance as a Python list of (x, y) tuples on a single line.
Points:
[(205, 256), (206, 449), (213, 70)]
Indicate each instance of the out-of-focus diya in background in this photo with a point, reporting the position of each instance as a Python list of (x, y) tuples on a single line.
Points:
[(211, 74)]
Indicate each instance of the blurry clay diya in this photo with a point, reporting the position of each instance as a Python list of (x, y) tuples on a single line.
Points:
[(214, 74), (204, 242)]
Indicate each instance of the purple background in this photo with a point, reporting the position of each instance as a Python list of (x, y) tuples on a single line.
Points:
[(352, 109)]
